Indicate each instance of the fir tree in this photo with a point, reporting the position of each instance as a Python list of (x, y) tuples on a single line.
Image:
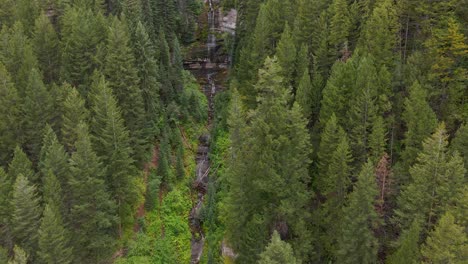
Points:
[(333, 184), (26, 214), (27, 12), (340, 25), (304, 96), (74, 112), (19, 256), (330, 138), (286, 53), (148, 73), (21, 165), (82, 32), (436, 182), (380, 34), (9, 116), (112, 143), (377, 139), (356, 242), (338, 92), (92, 211), (408, 248), (53, 239), (17, 55), (35, 112), (447, 243), (46, 48), (6, 187), (52, 193), (54, 161), (420, 122), (460, 142), (122, 76), (277, 252), (277, 132)]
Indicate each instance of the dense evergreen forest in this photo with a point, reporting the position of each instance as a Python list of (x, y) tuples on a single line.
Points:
[(336, 131)]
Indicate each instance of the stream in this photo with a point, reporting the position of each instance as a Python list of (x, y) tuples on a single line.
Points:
[(205, 69)]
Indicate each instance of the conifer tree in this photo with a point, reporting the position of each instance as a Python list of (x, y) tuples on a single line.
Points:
[(278, 132), (19, 256), (330, 138), (356, 242), (408, 248), (148, 73), (21, 165), (46, 48), (17, 55), (165, 15), (6, 186), (436, 182), (447, 243), (385, 184), (53, 238), (164, 57), (460, 142), (74, 112), (54, 161), (277, 252), (26, 214), (420, 122), (340, 25), (9, 116), (36, 111), (286, 54), (380, 34), (52, 193), (333, 184), (26, 12), (92, 211), (112, 143), (82, 32), (377, 140), (302, 64), (338, 92), (122, 76), (304, 96)]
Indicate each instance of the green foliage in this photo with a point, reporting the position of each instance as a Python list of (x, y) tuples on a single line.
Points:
[(21, 165), (112, 143), (420, 122), (460, 142), (304, 96), (436, 182), (53, 166), (356, 242), (286, 54), (92, 211), (6, 187), (53, 238), (17, 54), (9, 116), (122, 76), (408, 248), (19, 256), (148, 73), (258, 168), (380, 33), (46, 48), (83, 34), (74, 112), (340, 25), (447, 243), (35, 112), (277, 252), (26, 214)]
